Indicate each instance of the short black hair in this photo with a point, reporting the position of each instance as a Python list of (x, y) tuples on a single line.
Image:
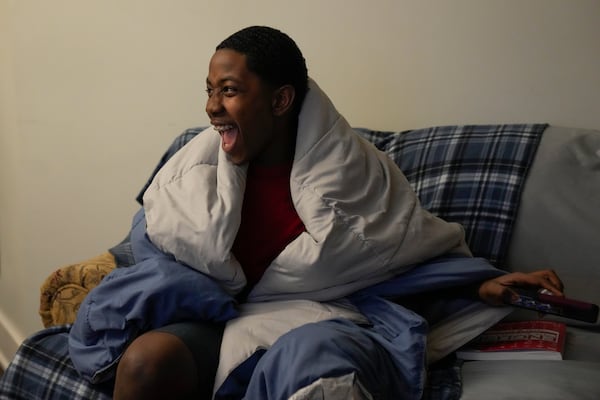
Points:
[(273, 56)]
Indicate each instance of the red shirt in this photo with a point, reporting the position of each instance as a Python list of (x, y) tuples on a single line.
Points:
[(269, 220)]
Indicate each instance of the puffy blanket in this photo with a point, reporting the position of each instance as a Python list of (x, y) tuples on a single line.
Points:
[(363, 225), (158, 290), (43, 368), (357, 235)]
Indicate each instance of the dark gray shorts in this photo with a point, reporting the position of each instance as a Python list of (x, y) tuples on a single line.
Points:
[(203, 339)]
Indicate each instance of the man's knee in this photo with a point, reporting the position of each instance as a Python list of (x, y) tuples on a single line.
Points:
[(154, 365)]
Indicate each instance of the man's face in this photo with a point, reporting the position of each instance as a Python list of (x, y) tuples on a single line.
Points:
[(239, 106)]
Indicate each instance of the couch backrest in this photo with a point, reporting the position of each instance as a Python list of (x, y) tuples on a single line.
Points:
[(521, 218), (469, 174), (527, 195), (558, 223)]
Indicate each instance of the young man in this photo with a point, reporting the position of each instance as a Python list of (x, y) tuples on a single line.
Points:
[(286, 208)]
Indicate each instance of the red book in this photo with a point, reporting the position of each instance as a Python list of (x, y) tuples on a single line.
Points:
[(523, 340)]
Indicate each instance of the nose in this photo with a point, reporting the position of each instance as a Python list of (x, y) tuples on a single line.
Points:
[(214, 105)]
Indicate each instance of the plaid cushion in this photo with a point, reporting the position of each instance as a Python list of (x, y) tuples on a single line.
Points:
[(470, 174), (41, 369)]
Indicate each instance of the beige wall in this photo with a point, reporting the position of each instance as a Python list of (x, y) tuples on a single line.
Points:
[(91, 92)]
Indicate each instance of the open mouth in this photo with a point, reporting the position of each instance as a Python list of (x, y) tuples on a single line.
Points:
[(229, 134)]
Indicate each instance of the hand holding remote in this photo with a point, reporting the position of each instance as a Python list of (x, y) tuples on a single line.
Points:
[(499, 291), (545, 302)]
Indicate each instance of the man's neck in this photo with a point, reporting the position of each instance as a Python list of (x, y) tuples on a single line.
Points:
[(282, 150)]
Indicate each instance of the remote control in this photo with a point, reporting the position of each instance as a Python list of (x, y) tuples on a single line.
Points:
[(549, 304)]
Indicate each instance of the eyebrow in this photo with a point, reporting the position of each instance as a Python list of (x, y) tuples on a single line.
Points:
[(224, 79)]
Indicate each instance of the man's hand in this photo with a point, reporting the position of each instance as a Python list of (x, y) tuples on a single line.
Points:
[(498, 291)]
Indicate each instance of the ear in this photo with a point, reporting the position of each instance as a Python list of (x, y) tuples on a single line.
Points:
[(283, 99)]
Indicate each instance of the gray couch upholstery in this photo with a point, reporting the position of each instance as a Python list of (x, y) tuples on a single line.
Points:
[(557, 226)]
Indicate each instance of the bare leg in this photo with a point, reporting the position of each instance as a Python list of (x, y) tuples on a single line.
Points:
[(157, 365)]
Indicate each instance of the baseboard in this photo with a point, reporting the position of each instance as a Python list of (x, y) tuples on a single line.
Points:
[(10, 339)]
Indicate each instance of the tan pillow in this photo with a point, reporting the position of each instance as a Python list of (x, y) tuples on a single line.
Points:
[(64, 290)]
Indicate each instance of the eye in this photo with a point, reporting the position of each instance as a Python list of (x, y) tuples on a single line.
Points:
[(229, 90), (209, 91)]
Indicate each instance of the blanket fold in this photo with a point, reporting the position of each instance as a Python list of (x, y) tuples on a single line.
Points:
[(366, 237), (363, 226), (154, 292)]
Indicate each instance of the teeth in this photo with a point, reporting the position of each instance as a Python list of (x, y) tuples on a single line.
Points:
[(222, 128)]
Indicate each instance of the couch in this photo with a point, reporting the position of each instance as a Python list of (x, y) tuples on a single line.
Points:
[(528, 196)]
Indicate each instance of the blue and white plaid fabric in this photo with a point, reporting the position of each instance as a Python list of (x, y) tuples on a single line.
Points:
[(472, 174), (42, 369), (467, 174)]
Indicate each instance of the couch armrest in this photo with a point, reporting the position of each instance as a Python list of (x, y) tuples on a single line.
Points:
[(64, 290)]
